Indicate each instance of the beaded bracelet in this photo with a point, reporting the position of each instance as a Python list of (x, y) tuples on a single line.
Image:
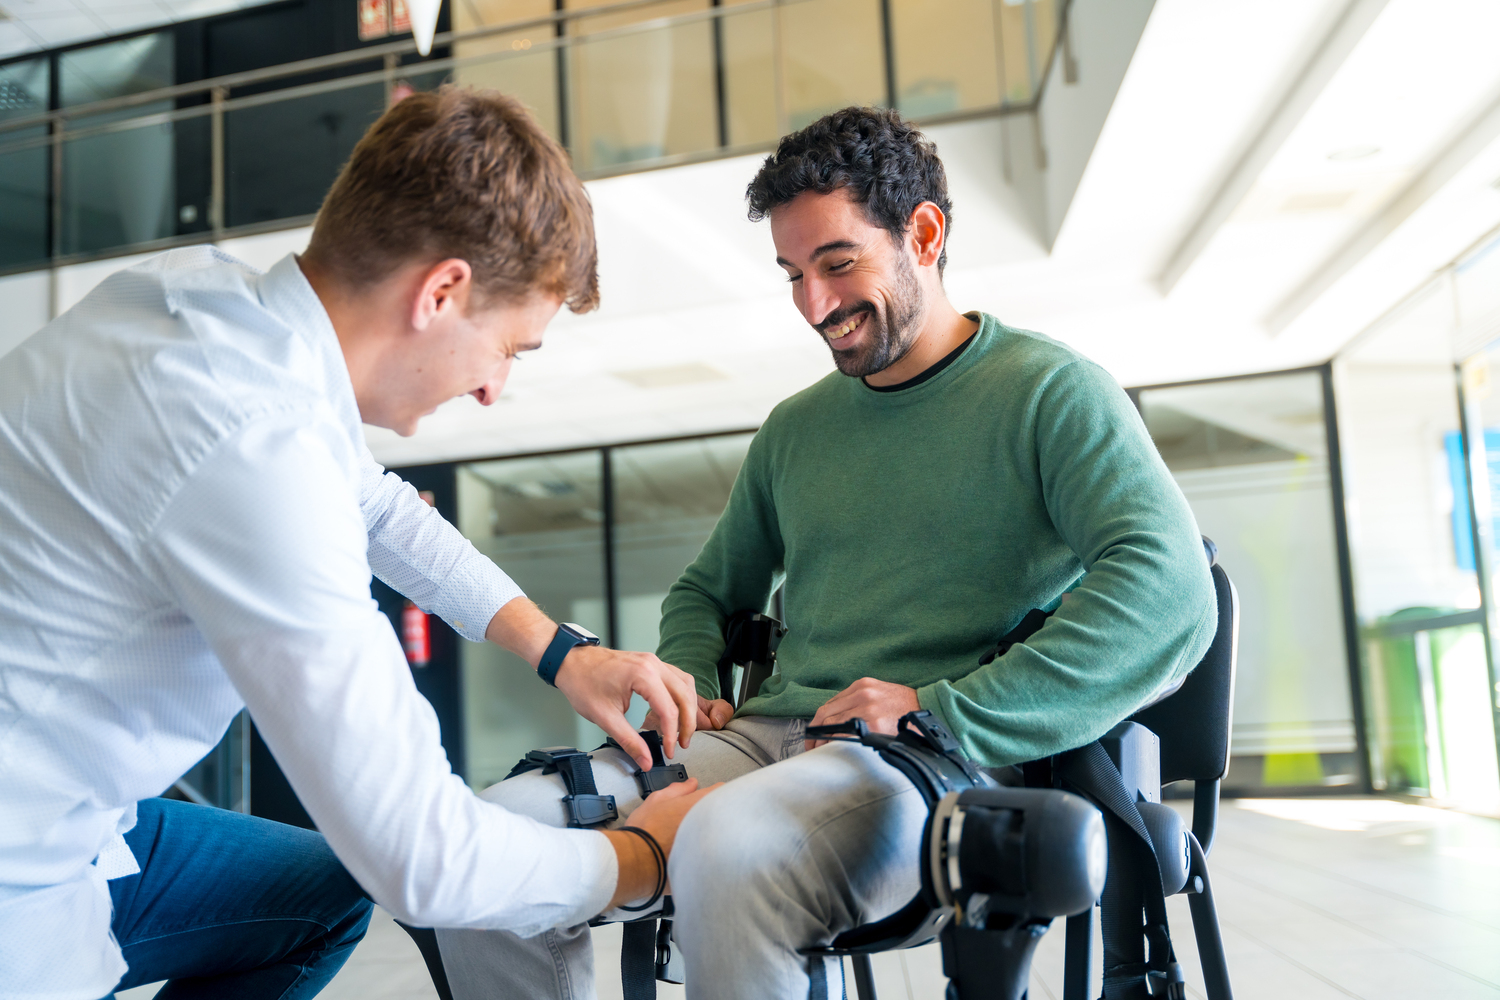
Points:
[(661, 868)]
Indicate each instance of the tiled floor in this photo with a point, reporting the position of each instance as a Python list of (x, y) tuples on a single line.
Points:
[(1318, 898)]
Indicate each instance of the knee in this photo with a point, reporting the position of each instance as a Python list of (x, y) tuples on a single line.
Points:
[(533, 794), (723, 846)]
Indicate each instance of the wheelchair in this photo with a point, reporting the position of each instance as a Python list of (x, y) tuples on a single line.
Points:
[(1004, 854)]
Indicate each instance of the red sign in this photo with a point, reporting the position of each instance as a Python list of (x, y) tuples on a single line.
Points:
[(400, 17), (374, 19)]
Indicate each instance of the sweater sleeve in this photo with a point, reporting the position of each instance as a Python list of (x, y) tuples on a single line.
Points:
[(1143, 614), (738, 568)]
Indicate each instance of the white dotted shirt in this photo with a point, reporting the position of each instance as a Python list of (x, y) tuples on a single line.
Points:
[(189, 519)]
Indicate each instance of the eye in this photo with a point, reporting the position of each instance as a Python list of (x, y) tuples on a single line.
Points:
[(794, 277), (842, 265)]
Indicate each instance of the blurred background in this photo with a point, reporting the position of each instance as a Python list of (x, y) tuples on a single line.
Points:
[(1275, 222)]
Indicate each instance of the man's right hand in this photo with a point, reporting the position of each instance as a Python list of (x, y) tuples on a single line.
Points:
[(598, 682), (660, 815), (711, 715)]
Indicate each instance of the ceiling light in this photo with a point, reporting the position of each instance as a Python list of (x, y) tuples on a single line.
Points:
[(1353, 153)]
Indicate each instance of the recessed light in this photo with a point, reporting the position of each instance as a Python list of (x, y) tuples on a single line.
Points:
[(1354, 153)]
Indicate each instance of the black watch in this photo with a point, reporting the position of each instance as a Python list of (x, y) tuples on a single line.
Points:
[(568, 636)]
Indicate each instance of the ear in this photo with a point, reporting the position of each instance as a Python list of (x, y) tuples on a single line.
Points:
[(442, 290), (926, 231)]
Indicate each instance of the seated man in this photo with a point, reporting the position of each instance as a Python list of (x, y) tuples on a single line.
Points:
[(954, 474)]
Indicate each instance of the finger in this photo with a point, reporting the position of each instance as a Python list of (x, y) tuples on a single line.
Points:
[(719, 714), (685, 691), (704, 721), (651, 722), (619, 729), (664, 705)]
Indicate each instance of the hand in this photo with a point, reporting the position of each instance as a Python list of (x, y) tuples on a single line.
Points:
[(711, 715), (660, 815), (879, 703), (598, 683)]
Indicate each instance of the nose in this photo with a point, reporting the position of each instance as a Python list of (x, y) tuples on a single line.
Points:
[(818, 299)]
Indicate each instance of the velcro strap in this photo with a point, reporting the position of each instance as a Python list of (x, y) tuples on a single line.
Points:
[(578, 775), (638, 959)]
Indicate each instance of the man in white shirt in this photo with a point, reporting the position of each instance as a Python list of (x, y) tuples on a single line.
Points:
[(189, 519)]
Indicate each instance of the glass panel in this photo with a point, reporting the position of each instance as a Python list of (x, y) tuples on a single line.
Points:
[(1411, 536), (831, 51), (1023, 26), (23, 173), (945, 55), (1251, 457), (1477, 313), (317, 133), (118, 187), (541, 520), (668, 497), (528, 75), (641, 95), (749, 61)]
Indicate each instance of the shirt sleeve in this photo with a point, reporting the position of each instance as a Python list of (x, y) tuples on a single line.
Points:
[(264, 550), (739, 567), (1144, 612), (420, 555)]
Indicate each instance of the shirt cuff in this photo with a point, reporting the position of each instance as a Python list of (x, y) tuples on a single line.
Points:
[(478, 591)]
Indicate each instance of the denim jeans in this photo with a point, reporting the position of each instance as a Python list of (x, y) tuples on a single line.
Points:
[(232, 905), (796, 848)]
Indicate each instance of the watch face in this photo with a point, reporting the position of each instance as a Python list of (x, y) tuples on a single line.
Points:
[(580, 632)]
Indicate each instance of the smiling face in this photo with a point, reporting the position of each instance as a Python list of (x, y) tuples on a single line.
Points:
[(854, 284)]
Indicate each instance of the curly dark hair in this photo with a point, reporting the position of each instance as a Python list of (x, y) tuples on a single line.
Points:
[(887, 165)]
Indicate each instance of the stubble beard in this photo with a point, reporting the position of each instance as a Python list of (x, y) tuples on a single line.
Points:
[(889, 337)]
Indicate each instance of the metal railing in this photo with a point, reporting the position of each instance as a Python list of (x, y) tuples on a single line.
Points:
[(625, 87)]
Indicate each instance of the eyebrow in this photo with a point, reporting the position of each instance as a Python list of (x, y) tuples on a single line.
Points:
[(824, 249)]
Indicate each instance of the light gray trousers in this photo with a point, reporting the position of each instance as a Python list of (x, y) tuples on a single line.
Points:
[(795, 849)]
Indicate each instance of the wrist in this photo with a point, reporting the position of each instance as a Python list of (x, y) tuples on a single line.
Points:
[(568, 637), (636, 865)]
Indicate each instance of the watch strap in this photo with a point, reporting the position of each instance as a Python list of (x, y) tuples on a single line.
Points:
[(562, 644)]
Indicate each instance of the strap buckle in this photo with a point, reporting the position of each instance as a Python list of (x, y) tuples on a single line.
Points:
[(584, 805), (661, 773)]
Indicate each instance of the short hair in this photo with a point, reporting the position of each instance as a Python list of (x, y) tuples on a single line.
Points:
[(462, 173), (888, 166)]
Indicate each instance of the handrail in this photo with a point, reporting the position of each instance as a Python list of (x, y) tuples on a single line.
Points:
[(59, 128), (370, 53), (374, 76)]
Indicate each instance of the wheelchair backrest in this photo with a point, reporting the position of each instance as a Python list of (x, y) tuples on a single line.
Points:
[(1193, 722)]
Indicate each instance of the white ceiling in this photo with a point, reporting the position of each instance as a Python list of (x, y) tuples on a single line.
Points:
[(30, 25)]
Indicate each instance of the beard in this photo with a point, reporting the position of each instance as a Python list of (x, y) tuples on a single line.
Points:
[(888, 336)]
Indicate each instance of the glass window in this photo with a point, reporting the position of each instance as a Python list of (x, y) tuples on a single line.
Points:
[(747, 44), (523, 66), (831, 57), (541, 520), (668, 497), (118, 187), (1412, 542), (24, 91), (317, 132), (1251, 456), (945, 55), (644, 94)]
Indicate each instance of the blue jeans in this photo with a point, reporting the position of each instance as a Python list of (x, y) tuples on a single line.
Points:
[(233, 905)]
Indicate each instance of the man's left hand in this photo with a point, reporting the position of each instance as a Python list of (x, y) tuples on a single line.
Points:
[(879, 703)]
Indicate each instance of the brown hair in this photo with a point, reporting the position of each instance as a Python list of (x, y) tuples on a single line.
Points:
[(462, 173)]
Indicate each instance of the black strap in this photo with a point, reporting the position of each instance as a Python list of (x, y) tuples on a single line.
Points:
[(638, 959), (1029, 626), (578, 775), (1127, 889)]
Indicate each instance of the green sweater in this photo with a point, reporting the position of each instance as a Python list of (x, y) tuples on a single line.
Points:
[(914, 528)]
